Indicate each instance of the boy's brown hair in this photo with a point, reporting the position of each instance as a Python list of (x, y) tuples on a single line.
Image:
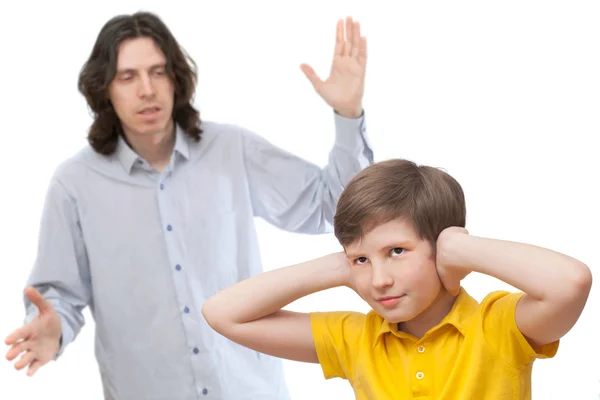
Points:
[(428, 197)]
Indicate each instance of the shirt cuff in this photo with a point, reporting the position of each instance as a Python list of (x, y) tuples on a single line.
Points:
[(351, 135), (66, 337)]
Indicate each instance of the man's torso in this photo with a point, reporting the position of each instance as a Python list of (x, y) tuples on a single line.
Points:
[(158, 245)]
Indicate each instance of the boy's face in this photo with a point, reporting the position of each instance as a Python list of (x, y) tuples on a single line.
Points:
[(394, 271)]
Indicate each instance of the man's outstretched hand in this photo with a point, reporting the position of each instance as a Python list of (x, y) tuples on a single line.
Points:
[(344, 88), (38, 341)]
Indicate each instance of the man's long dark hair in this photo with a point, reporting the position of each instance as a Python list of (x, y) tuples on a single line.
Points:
[(100, 69)]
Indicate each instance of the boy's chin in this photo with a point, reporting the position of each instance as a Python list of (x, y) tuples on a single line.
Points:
[(396, 316)]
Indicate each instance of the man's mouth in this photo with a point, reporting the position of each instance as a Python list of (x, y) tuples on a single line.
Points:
[(149, 110)]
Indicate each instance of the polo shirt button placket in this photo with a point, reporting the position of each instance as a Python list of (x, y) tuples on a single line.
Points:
[(420, 375)]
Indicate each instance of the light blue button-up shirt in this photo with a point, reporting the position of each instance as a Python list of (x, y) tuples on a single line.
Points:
[(145, 249)]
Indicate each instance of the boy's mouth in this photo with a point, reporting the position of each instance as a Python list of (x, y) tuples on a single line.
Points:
[(389, 301)]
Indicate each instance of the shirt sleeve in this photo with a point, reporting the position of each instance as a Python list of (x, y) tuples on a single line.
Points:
[(60, 272), (337, 339), (296, 195), (501, 331)]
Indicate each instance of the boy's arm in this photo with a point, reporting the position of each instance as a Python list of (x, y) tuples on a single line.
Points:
[(556, 286), (249, 312)]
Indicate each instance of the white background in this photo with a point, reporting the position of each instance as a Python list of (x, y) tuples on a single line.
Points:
[(505, 96)]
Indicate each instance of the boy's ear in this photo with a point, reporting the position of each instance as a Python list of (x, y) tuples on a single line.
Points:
[(433, 250)]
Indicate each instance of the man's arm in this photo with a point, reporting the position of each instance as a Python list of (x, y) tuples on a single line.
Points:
[(250, 312), (298, 196), (556, 286), (60, 272)]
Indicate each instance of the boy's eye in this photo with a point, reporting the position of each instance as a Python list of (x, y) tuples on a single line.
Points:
[(362, 260), (396, 251)]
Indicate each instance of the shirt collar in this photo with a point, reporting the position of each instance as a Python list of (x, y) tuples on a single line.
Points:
[(459, 316), (127, 157)]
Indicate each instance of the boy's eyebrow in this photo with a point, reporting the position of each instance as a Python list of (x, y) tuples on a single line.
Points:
[(392, 245), (398, 243)]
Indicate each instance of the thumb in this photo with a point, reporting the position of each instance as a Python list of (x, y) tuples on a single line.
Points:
[(312, 76), (37, 299)]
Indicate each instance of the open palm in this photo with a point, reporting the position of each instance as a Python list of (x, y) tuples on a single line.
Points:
[(344, 88), (38, 341)]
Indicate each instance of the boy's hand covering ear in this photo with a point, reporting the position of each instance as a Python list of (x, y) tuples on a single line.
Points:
[(450, 273)]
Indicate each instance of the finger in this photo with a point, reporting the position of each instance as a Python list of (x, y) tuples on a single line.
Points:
[(348, 38), (312, 76), (339, 38), (362, 53), (36, 298), (25, 360), (19, 334), (355, 40), (17, 349), (33, 367)]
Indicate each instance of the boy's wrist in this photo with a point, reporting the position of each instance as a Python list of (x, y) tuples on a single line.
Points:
[(451, 245), (337, 269)]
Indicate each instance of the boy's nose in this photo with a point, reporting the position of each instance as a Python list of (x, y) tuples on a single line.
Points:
[(381, 278)]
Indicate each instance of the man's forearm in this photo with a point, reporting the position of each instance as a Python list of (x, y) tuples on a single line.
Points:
[(539, 272), (269, 292)]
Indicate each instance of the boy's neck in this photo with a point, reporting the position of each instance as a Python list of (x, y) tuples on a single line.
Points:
[(429, 318)]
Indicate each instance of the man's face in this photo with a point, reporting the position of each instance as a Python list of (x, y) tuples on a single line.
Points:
[(141, 92), (394, 271)]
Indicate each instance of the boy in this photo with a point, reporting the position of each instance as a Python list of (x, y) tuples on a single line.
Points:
[(405, 252)]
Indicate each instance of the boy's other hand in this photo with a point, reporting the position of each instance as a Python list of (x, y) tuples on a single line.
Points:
[(448, 268)]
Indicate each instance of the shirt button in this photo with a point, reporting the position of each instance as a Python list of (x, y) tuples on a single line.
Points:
[(162, 186), (205, 391), (186, 310), (196, 351), (178, 267), (169, 228), (421, 349), (420, 375)]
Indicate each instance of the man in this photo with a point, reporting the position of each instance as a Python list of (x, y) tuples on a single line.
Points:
[(156, 216)]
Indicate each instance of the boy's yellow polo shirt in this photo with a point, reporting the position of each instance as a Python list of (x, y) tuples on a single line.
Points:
[(475, 353)]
